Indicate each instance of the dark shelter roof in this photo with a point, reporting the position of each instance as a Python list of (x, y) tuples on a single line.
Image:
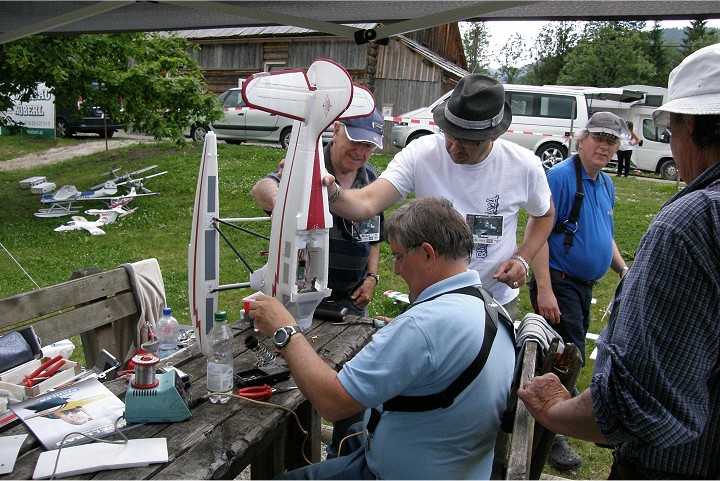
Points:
[(23, 18)]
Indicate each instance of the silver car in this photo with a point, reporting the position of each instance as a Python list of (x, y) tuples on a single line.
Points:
[(240, 122)]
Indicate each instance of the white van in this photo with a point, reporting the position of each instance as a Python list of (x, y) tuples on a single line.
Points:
[(544, 118)]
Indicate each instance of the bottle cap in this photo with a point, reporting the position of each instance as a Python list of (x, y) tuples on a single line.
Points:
[(220, 316), (167, 311)]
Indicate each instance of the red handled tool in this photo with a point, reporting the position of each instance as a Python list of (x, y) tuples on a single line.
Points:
[(45, 371), (262, 392)]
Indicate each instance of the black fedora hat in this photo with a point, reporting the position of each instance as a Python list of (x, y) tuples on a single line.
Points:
[(476, 110)]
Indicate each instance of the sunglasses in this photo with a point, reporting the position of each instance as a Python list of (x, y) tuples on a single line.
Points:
[(464, 143)]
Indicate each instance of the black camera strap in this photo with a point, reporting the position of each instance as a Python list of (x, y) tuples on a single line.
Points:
[(493, 315), (570, 226)]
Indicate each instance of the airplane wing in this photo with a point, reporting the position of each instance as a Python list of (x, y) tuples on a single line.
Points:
[(361, 105), (287, 93), (93, 229), (63, 194)]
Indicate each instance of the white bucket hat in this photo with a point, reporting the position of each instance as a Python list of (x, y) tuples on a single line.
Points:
[(693, 86)]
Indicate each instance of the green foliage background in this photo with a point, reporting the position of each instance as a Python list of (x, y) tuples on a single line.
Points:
[(161, 228)]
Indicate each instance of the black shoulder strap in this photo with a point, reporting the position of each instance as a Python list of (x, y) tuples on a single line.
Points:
[(446, 398), (570, 226), (494, 314)]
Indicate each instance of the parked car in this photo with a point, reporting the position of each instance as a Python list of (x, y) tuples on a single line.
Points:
[(83, 118), (240, 123)]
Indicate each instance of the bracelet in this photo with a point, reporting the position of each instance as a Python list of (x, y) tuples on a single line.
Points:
[(524, 263), (336, 194), (622, 271), (374, 276)]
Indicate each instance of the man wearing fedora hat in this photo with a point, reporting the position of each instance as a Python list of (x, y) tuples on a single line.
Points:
[(487, 179), (655, 391)]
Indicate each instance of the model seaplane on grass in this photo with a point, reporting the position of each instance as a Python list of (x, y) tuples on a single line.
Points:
[(296, 271)]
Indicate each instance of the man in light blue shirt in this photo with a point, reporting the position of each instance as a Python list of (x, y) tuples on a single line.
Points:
[(421, 352)]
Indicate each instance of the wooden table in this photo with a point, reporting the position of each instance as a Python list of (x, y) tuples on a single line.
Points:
[(220, 440)]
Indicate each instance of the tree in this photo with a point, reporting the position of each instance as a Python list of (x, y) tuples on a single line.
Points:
[(549, 51), (697, 36), (609, 54), (658, 55), (511, 53), (476, 42), (149, 81)]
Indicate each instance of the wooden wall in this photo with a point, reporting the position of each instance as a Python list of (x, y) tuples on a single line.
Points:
[(402, 77)]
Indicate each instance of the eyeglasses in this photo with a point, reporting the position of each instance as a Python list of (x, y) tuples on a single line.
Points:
[(399, 257), (464, 143), (610, 139)]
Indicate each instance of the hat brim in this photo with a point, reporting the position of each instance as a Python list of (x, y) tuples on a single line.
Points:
[(602, 130), (697, 105), (472, 134), (357, 134)]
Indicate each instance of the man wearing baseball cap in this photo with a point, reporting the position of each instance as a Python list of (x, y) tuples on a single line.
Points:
[(581, 248), (487, 179), (655, 390), (354, 246)]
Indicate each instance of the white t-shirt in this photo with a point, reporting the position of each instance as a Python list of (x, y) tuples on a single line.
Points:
[(489, 194)]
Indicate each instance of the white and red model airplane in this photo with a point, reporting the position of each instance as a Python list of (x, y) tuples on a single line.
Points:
[(296, 271), (106, 216)]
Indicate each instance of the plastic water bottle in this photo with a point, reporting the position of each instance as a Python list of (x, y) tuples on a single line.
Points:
[(167, 332), (220, 359)]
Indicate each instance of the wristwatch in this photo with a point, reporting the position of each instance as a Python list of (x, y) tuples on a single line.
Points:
[(374, 276), (282, 336)]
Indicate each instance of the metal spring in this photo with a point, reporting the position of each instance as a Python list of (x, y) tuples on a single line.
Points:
[(263, 354)]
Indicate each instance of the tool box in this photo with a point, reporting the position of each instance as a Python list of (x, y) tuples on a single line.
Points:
[(12, 380)]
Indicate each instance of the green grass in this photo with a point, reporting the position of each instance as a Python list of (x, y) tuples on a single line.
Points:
[(161, 228)]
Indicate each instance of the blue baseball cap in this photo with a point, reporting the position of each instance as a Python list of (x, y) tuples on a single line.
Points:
[(365, 129)]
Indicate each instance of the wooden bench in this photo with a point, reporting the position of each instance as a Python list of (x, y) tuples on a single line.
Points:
[(99, 306)]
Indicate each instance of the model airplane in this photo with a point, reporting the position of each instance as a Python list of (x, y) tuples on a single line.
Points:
[(130, 178), (296, 271), (107, 216), (296, 274)]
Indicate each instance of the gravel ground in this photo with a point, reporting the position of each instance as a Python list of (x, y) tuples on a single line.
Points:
[(58, 154)]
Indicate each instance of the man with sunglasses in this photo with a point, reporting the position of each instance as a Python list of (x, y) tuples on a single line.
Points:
[(580, 249), (354, 246), (487, 179)]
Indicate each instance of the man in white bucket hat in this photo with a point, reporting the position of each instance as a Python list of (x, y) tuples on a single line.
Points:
[(487, 179), (655, 391)]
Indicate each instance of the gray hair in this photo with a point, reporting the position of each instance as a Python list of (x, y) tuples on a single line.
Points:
[(433, 220), (581, 134)]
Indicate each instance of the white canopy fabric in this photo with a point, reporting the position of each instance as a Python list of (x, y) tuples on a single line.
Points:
[(19, 19)]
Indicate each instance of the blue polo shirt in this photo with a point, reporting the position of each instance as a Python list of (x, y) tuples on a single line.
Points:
[(591, 254)]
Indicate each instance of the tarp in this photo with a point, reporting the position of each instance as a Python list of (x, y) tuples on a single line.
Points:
[(22, 18)]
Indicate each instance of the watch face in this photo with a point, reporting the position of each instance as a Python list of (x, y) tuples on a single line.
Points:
[(281, 337)]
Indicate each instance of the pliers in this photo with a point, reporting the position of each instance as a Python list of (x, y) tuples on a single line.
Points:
[(45, 371), (262, 392)]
